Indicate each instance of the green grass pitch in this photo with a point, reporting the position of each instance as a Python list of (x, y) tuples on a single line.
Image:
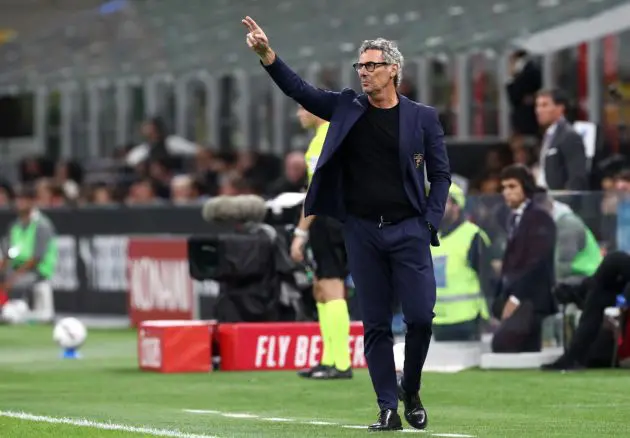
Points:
[(104, 395)]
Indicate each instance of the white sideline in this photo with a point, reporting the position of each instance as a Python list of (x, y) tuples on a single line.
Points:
[(310, 423), (103, 426)]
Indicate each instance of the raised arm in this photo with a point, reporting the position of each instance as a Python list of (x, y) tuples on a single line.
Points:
[(320, 102)]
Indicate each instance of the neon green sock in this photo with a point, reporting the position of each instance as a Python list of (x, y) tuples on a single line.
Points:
[(337, 313), (324, 328)]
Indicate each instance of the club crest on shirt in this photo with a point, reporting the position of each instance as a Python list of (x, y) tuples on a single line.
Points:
[(418, 158)]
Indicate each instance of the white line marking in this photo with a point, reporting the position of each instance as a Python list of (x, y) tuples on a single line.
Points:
[(103, 426), (201, 411), (235, 415), (312, 422), (321, 423), (452, 435)]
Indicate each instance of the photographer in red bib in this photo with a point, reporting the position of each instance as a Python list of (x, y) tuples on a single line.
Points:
[(370, 176)]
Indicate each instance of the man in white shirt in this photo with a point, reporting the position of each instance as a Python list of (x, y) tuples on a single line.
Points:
[(562, 156), (159, 144)]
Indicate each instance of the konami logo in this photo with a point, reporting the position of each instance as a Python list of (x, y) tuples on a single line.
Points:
[(159, 284)]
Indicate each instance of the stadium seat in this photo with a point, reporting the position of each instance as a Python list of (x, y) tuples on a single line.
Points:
[(168, 35)]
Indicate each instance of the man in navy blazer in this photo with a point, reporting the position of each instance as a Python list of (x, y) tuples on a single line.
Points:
[(370, 176)]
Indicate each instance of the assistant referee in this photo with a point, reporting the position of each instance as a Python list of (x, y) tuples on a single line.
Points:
[(329, 252)]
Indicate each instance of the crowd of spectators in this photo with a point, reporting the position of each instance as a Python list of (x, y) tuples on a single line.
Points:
[(162, 170)]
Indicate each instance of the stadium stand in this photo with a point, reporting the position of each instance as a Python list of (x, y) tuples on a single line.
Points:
[(146, 37)]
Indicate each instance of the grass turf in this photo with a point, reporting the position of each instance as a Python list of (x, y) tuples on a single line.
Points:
[(106, 386)]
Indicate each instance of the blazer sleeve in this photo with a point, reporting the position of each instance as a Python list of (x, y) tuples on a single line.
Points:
[(540, 244), (575, 161), (320, 102), (437, 164)]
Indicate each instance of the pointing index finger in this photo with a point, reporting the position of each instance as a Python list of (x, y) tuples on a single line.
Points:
[(253, 25)]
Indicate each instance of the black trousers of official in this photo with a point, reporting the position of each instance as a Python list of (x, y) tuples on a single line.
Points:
[(520, 333), (610, 279), (388, 261)]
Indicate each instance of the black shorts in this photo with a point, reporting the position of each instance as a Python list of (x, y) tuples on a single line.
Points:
[(329, 250)]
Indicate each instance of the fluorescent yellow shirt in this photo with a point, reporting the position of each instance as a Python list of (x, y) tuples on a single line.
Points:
[(315, 149)]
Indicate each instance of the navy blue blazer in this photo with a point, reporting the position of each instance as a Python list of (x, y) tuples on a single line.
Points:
[(421, 139)]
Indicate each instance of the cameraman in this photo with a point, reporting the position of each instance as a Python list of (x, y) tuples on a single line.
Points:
[(593, 295)]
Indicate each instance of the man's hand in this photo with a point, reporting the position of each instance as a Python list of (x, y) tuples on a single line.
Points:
[(297, 249), (508, 309), (258, 41)]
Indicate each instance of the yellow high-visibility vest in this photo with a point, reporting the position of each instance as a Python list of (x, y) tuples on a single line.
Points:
[(459, 296)]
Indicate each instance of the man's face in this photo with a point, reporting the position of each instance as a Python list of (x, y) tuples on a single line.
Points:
[(547, 112), (451, 212), (512, 192), (621, 185), (372, 82), (149, 131), (23, 205), (307, 120)]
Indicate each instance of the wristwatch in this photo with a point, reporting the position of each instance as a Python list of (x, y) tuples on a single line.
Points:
[(431, 228)]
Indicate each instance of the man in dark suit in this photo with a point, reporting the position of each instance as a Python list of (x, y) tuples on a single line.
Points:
[(524, 295), (525, 81), (562, 156), (593, 295), (370, 176)]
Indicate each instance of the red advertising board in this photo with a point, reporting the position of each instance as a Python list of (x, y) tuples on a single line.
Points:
[(279, 346), (175, 346), (160, 287)]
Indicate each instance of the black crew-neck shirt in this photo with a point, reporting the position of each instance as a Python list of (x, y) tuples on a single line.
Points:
[(372, 177)]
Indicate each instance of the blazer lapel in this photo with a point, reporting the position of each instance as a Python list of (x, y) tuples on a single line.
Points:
[(356, 110), (406, 131)]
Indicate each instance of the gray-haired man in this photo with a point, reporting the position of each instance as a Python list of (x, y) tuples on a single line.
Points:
[(370, 176)]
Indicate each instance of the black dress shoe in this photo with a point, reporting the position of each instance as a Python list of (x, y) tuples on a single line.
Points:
[(564, 363), (330, 373), (308, 372), (388, 420), (415, 414)]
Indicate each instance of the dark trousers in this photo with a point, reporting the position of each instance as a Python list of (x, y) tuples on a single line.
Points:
[(520, 333), (609, 280), (394, 260)]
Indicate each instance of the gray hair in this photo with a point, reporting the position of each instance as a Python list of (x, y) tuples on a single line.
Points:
[(391, 54)]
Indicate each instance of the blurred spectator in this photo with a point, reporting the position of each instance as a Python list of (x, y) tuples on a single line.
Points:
[(161, 174), (562, 156), (142, 193), (159, 145), (294, 178), (524, 296), (5, 195), (31, 169), (577, 250), (232, 184), (183, 190), (207, 171), (48, 194), (525, 81), (101, 194)]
